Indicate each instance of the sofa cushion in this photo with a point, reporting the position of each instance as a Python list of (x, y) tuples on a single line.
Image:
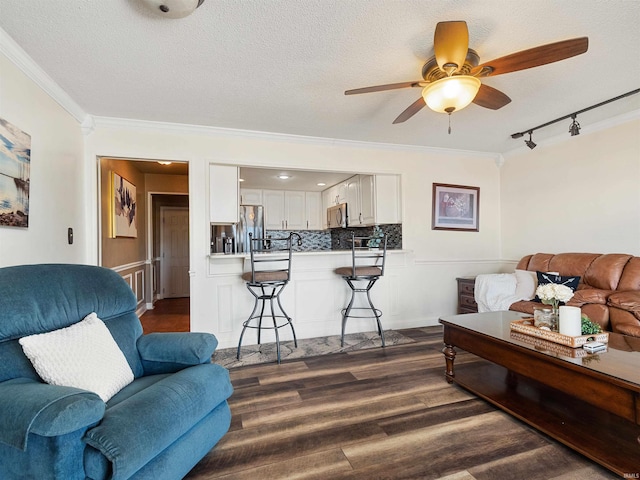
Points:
[(572, 264), (83, 355), (605, 271), (540, 262), (629, 301), (583, 296), (167, 408), (630, 279)]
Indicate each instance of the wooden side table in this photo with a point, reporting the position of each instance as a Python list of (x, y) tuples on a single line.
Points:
[(466, 299)]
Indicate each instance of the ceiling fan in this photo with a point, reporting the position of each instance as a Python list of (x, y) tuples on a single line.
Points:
[(451, 79)]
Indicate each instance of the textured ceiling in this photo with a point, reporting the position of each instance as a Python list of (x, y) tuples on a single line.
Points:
[(283, 66)]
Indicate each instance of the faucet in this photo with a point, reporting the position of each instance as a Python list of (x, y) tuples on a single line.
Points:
[(299, 243)]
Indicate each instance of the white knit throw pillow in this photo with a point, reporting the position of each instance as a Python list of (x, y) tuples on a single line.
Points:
[(83, 355)]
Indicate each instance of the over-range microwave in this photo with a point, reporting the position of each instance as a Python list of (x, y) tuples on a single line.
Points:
[(337, 216)]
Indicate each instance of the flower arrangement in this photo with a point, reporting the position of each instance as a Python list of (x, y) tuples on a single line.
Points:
[(553, 293)]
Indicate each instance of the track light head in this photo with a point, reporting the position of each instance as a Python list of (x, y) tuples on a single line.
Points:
[(530, 143), (574, 128)]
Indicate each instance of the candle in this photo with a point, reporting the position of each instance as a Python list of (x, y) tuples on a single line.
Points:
[(570, 321)]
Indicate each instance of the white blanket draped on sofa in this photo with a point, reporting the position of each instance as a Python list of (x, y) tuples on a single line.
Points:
[(495, 292)]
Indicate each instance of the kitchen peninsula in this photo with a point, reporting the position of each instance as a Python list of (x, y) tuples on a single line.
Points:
[(315, 295)]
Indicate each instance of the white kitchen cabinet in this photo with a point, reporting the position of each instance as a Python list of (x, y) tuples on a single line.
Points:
[(353, 201), (328, 200), (289, 210), (368, 199), (223, 194), (373, 200), (313, 210), (294, 211), (250, 196), (273, 201)]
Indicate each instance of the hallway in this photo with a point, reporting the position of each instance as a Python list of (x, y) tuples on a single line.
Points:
[(168, 315)]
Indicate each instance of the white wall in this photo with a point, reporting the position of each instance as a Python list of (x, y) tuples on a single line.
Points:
[(57, 195), (428, 288), (579, 195)]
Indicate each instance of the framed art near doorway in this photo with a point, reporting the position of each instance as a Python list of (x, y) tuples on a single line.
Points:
[(455, 207), (124, 214)]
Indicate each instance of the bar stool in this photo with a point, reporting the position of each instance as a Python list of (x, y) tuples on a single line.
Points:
[(367, 265), (270, 273)]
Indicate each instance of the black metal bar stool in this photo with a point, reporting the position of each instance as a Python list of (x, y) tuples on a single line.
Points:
[(270, 273), (367, 266)]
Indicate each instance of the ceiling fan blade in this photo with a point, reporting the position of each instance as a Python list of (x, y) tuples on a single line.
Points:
[(389, 86), (534, 57), (489, 97), (414, 108), (451, 43)]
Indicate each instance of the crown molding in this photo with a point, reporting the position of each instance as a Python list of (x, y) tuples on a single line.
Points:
[(186, 129), (584, 131), (31, 69)]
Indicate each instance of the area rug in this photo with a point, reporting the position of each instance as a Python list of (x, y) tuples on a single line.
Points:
[(307, 347)]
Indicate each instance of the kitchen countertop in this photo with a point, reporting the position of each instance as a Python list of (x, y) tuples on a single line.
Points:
[(215, 256)]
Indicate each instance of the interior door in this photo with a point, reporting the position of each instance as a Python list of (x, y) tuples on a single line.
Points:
[(174, 252)]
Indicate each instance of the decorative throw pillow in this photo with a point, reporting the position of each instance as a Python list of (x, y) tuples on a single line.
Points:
[(546, 277), (527, 282), (83, 355)]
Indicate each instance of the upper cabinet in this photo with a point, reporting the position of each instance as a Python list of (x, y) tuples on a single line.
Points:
[(368, 200), (371, 199), (250, 196), (292, 210), (223, 194), (313, 208), (354, 214)]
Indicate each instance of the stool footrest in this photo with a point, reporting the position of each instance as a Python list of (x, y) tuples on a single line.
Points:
[(266, 318), (377, 313)]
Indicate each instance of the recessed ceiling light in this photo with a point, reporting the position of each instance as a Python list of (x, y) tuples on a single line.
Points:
[(164, 163), (241, 179), (321, 184), (283, 177)]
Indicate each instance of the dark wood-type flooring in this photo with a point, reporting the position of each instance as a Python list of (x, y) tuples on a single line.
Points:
[(371, 414), (168, 315)]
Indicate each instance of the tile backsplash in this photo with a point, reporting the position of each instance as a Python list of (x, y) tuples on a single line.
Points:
[(338, 238)]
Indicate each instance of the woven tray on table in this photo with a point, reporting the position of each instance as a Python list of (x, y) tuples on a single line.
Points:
[(550, 347), (524, 326)]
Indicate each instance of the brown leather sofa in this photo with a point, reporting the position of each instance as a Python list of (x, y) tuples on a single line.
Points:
[(609, 289)]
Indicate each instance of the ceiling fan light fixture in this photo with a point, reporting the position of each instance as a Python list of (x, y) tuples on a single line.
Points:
[(451, 93), (173, 8)]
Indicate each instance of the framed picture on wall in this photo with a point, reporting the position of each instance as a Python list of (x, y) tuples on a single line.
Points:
[(15, 175), (455, 207), (124, 211)]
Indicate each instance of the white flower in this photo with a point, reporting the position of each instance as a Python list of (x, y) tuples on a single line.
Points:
[(551, 293)]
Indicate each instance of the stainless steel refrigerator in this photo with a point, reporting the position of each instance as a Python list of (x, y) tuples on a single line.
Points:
[(251, 222)]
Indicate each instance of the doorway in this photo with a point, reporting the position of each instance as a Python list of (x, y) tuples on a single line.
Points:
[(159, 186)]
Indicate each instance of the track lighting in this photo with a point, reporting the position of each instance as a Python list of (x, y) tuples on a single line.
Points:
[(574, 128), (530, 143)]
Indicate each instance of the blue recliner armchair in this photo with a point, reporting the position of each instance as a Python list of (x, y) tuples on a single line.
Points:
[(159, 426)]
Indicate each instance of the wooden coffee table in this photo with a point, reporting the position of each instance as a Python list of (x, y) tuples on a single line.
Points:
[(591, 403)]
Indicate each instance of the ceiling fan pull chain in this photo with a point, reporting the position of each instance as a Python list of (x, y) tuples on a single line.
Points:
[(449, 123)]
